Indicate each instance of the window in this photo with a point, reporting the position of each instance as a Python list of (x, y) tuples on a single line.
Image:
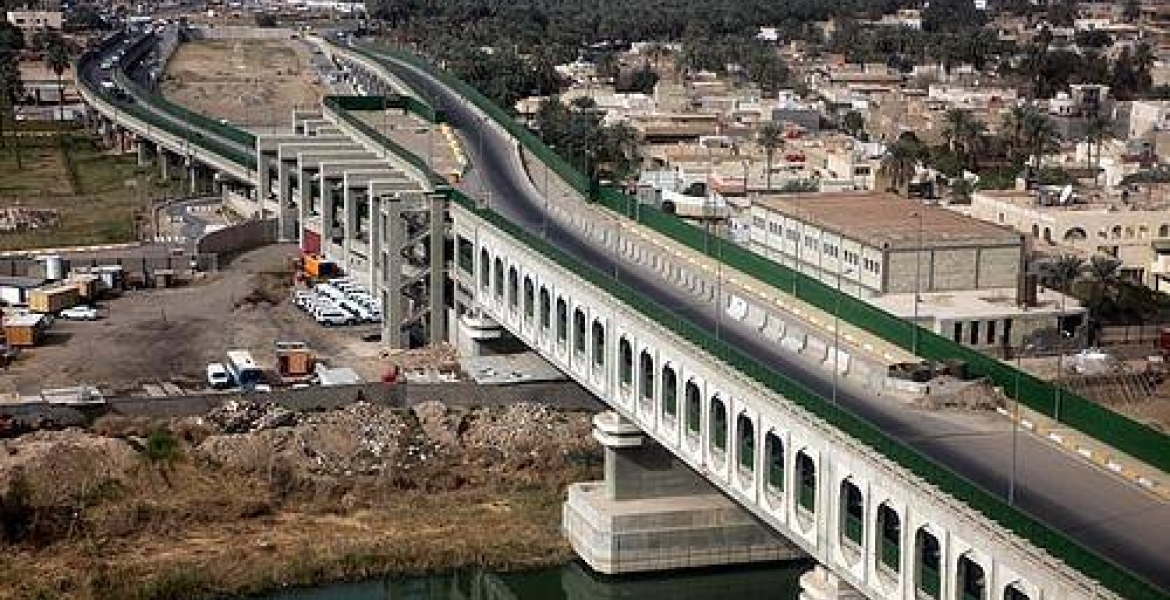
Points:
[(579, 331), (957, 332), (646, 380), (499, 273), (513, 289), (774, 449), (529, 299), (485, 271), (693, 408), (851, 525), (973, 335), (669, 392), (990, 332), (625, 362), (718, 424), (562, 321), (545, 309), (466, 255), (598, 344), (745, 432)]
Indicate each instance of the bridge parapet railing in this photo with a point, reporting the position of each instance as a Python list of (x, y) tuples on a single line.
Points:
[(1124, 434), (892, 328)]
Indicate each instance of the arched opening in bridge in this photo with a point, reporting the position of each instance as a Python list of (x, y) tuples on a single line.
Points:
[(806, 476), (889, 526), (972, 579), (598, 344), (669, 392), (851, 522), (929, 579), (513, 288), (529, 299), (745, 443), (1013, 592), (485, 269), (694, 408), (646, 377), (579, 331), (718, 424), (562, 321), (774, 449), (498, 269), (625, 361), (545, 309)]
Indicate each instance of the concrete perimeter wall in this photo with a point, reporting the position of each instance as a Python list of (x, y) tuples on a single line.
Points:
[(561, 394), (245, 236)]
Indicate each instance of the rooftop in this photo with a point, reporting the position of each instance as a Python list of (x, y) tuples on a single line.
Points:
[(882, 219)]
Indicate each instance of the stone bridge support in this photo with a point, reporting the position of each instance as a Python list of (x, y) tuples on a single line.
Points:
[(654, 513)]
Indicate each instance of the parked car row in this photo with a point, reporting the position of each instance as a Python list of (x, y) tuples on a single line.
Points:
[(339, 302)]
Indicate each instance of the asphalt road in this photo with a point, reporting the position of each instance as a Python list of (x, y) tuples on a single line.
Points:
[(1116, 519)]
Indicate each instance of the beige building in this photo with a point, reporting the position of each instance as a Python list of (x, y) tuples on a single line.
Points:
[(1135, 229), (32, 21), (960, 277)]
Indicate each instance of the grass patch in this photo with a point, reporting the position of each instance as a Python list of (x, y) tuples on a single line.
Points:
[(93, 190)]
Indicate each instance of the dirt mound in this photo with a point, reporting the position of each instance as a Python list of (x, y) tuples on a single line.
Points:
[(63, 465), (524, 427)]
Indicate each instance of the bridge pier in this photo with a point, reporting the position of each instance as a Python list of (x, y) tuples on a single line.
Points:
[(653, 513), (164, 163), (143, 147), (822, 584)]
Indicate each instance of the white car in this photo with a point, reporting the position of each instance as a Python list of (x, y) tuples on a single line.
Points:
[(334, 317), (218, 376), (79, 313)]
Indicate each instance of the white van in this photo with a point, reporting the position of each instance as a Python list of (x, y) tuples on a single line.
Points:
[(218, 376)]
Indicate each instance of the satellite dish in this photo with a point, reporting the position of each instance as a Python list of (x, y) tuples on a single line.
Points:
[(1066, 194)]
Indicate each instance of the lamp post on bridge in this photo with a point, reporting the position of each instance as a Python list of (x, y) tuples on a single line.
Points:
[(837, 324)]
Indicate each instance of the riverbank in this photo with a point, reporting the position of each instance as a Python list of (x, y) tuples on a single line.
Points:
[(259, 499)]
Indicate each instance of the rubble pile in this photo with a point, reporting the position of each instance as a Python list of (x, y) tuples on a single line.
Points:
[(439, 424), (244, 416), (360, 438), (525, 427)]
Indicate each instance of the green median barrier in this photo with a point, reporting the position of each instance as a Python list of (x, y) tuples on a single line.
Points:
[(990, 506)]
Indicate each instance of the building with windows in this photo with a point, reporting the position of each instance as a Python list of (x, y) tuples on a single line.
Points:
[(32, 21), (1133, 227), (958, 276)]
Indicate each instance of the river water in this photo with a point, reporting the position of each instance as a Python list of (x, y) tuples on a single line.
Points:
[(571, 582)]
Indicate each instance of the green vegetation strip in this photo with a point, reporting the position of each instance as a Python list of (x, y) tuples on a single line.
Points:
[(1113, 576)]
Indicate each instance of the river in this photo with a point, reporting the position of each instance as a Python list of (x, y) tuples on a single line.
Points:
[(570, 582)]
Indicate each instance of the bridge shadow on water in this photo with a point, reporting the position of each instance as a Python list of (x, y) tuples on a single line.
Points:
[(572, 582)]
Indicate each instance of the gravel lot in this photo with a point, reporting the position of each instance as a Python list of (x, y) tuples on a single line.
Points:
[(170, 335)]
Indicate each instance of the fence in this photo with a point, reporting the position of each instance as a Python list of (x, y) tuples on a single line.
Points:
[(134, 262), (1091, 418)]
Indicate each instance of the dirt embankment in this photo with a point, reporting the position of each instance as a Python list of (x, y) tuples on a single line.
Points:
[(250, 498)]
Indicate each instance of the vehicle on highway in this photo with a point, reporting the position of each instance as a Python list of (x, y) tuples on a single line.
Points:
[(218, 376), (79, 313)]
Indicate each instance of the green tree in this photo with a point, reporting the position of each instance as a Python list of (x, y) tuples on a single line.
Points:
[(952, 15), (11, 37), (853, 123), (1104, 278), (1097, 130), (57, 60), (770, 137), (11, 90), (1131, 10), (901, 161), (965, 136), (1063, 271)]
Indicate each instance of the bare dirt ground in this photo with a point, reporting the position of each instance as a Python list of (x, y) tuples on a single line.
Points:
[(243, 507), (245, 81), (170, 335)]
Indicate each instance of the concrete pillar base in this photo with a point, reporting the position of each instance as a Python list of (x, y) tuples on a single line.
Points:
[(653, 513), (822, 584)]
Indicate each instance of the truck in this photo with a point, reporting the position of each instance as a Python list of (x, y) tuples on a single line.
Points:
[(53, 299)]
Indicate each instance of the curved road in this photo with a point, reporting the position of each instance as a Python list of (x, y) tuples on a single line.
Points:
[(1118, 520)]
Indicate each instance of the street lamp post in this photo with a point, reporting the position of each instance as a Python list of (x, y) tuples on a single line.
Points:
[(1015, 429), (917, 283), (1056, 392)]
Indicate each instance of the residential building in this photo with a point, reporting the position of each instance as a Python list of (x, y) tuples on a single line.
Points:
[(1133, 227)]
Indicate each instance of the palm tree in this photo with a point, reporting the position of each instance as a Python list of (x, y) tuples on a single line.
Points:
[(57, 59), (901, 161), (1063, 271), (1039, 136), (1104, 273), (770, 138), (963, 131), (1097, 130), (853, 123)]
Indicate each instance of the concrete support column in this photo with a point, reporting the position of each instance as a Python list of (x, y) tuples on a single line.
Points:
[(287, 207), (164, 162), (393, 238), (821, 584), (653, 513), (192, 177), (349, 224), (437, 328), (328, 210), (143, 152), (264, 180)]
